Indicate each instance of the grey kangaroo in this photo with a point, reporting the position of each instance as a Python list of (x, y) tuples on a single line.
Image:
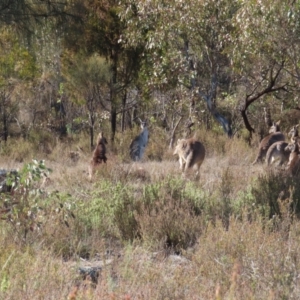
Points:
[(274, 136), (139, 143), (191, 153), (280, 150)]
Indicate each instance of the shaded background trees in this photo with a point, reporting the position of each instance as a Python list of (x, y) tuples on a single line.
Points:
[(216, 64)]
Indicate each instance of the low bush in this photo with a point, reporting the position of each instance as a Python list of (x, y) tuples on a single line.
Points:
[(271, 189)]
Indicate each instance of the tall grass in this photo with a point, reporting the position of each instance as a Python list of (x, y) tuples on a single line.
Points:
[(233, 234)]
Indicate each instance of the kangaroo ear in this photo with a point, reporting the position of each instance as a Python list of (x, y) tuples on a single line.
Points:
[(278, 122), (296, 126), (184, 144)]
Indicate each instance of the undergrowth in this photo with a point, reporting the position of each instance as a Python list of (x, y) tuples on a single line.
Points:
[(225, 236)]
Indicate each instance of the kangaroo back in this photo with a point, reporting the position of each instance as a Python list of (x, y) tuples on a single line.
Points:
[(274, 136), (191, 153), (197, 153), (278, 150)]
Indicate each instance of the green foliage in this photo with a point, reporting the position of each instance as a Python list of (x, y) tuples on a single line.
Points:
[(15, 61), (166, 213), (171, 215), (271, 189), (23, 205), (42, 139), (110, 210)]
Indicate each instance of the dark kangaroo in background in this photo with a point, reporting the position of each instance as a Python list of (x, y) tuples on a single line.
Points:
[(99, 154)]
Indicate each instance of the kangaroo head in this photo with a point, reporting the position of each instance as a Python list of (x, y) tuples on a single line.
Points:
[(182, 142), (181, 145), (294, 131), (143, 124), (101, 138), (275, 127), (293, 146)]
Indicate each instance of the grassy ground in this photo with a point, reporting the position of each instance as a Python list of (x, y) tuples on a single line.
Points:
[(155, 234)]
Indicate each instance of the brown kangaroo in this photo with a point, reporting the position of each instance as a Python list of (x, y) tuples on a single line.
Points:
[(293, 166), (274, 136), (99, 154), (191, 153), (280, 150)]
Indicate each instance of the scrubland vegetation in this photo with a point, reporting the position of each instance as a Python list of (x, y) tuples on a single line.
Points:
[(234, 234), (220, 71)]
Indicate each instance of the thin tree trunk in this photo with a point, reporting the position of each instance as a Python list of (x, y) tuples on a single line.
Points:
[(247, 124), (92, 124), (113, 115), (124, 99), (5, 127), (113, 123)]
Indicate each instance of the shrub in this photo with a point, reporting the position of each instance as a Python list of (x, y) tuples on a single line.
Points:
[(167, 212), (170, 214), (110, 210), (22, 206), (28, 208), (19, 150), (271, 189)]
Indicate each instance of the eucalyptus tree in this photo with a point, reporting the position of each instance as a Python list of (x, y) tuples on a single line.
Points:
[(39, 27), (265, 54), (22, 13), (186, 42), (101, 32), (87, 84), (17, 68)]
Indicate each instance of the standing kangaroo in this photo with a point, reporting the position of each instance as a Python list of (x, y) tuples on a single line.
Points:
[(139, 143), (274, 136), (293, 166), (191, 153), (99, 154), (280, 149)]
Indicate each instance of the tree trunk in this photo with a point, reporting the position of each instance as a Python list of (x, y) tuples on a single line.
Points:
[(113, 113), (113, 123), (124, 99), (247, 124), (211, 107), (5, 127), (92, 125), (270, 87)]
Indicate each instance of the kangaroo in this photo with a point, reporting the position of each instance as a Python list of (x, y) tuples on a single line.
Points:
[(139, 143), (99, 154), (274, 136), (191, 153), (293, 166), (280, 150)]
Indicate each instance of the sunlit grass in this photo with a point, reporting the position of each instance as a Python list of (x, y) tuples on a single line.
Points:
[(164, 236)]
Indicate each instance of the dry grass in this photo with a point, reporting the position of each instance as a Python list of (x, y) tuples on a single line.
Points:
[(131, 213)]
